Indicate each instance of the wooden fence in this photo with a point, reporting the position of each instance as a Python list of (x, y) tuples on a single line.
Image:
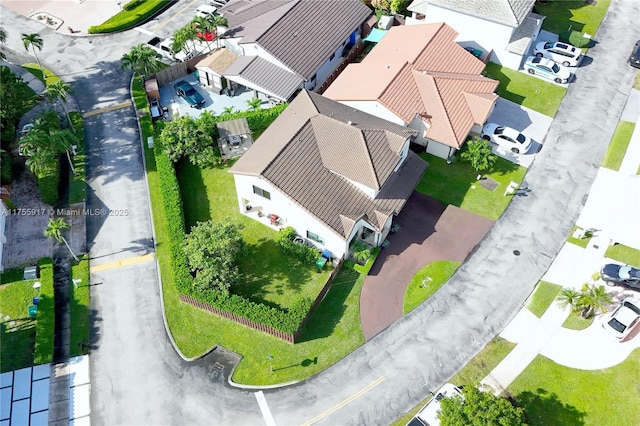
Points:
[(353, 54), (177, 71), (287, 337)]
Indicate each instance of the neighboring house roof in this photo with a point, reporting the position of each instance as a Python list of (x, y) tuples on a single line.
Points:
[(239, 126), (316, 147), (521, 37), (302, 34), (266, 75), (218, 61), (508, 12), (420, 70)]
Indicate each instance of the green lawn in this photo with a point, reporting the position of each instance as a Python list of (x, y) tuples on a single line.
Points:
[(636, 81), (35, 70), (624, 254), (581, 17), (618, 146), (472, 373), (555, 395), (270, 276), (575, 321), (426, 282), (456, 184), (79, 307), (525, 90), (17, 329), (542, 297), (581, 242)]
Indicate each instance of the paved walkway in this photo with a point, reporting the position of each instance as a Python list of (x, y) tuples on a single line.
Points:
[(592, 348)]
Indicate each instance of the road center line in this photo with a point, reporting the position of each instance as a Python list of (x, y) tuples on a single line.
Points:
[(122, 262), (266, 413), (107, 109), (345, 402)]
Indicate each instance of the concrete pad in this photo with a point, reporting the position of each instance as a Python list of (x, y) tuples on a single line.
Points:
[(22, 384), (20, 412), (632, 107), (565, 270), (79, 402), (6, 379), (78, 371), (41, 371), (5, 403), (40, 395), (40, 419), (631, 159)]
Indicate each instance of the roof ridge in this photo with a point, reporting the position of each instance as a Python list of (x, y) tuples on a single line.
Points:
[(428, 43), (449, 124)]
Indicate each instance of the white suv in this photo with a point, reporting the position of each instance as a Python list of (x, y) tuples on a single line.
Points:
[(206, 11), (562, 53), (428, 415)]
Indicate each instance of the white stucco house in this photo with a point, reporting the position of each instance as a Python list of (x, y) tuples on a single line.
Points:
[(332, 172), (418, 76), (503, 29), (286, 45)]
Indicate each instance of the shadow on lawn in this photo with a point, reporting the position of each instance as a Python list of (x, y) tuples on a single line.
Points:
[(193, 191), (544, 408), (18, 343)]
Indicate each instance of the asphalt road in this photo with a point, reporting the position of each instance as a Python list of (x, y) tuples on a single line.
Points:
[(138, 378)]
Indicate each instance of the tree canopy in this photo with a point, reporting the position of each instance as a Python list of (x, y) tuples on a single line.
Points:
[(478, 153), (479, 409), (187, 137)]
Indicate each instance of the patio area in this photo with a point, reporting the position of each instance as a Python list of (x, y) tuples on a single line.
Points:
[(215, 103)]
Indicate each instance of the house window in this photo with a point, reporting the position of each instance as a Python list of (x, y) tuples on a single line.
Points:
[(261, 192), (315, 237), (333, 55)]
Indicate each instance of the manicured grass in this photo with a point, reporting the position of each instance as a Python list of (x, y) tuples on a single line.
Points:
[(426, 282), (17, 329), (581, 242), (456, 184), (555, 395), (542, 297), (130, 18), (581, 17), (270, 276), (35, 70), (79, 295), (636, 81), (525, 90), (78, 182), (472, 373), (618, 146), (575, 321), (139, 95), (624, 254)]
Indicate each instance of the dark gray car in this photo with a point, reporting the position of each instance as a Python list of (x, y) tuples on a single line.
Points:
[(621, 274)]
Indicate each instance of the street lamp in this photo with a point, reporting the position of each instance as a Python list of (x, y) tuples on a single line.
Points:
[(270, 358)]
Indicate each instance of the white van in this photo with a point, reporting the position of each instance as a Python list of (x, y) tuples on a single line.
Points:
[(428, 415)]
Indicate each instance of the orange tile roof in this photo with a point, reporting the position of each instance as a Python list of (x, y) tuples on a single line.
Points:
[(420, 70)]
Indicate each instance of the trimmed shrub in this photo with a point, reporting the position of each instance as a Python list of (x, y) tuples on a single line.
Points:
[(304, 253), (48, 184), (133, 4), (45, 319), (131, 17), (77, 182)]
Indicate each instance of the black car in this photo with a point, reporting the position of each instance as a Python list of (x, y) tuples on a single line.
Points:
[(634, 59), (621, 274), (184, 89)]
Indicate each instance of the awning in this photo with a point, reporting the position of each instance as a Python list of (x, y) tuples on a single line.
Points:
[(375, 35)]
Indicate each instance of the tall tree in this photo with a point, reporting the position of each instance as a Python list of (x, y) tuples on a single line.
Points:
[(34, 41), (141, 60), (479, 409), (186, 137), (60, 90), (54, 230), (3, 40), (203, 26)]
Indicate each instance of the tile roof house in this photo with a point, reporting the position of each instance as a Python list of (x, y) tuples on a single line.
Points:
[(332, 172), (290, 44), (503, 29), (419, 77)]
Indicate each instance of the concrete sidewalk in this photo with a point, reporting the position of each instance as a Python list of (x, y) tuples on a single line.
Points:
[(631, 112)]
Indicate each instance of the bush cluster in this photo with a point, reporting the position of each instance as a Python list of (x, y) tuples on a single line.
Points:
[(131, 17), (45, 320), (304, 253), (48, 184)]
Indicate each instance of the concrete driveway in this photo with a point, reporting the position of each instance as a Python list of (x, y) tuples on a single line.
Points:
[(527, 121)]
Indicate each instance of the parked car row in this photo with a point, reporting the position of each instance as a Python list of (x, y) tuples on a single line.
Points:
[(551, 59), (624, 318)]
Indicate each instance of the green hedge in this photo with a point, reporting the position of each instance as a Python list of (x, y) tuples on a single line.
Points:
[(302, 252), (258, 120), (133, 4), (48, 184), (77, 182), (79, 309), (129, 18), (45, 325), (5, 168)]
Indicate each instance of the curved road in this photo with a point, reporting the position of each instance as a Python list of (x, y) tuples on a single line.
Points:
[(137, 377)]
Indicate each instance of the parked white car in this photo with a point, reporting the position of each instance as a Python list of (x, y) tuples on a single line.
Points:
[(506, 137), (428, 415), (562, 53), (206, 11), (547, 68), (623, 318)]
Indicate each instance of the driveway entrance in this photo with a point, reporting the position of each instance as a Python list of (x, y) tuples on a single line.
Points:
[(430, 231)]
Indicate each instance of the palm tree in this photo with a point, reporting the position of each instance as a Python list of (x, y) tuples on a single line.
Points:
[(61, 140), (204, 25), (228, 110), (220, 23), (41, 162), (54, 230), (571, 298), (60, 90), (182, 37), (254, 104), (3, 40), (141, 59), (34, 41), (594, 298)]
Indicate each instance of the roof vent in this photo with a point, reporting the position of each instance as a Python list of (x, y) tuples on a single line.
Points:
[(350, 123)]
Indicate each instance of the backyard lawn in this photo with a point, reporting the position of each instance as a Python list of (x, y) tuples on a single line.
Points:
[(542, 297), (555, 395), (456, 184), (618, 146), (582, 17), (270, 276), (525, 90), (17, 329)]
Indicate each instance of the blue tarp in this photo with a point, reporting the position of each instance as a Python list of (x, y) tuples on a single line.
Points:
[(375, 35)]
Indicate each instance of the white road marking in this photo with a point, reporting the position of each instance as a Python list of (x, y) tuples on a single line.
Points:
[(266, 413)]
